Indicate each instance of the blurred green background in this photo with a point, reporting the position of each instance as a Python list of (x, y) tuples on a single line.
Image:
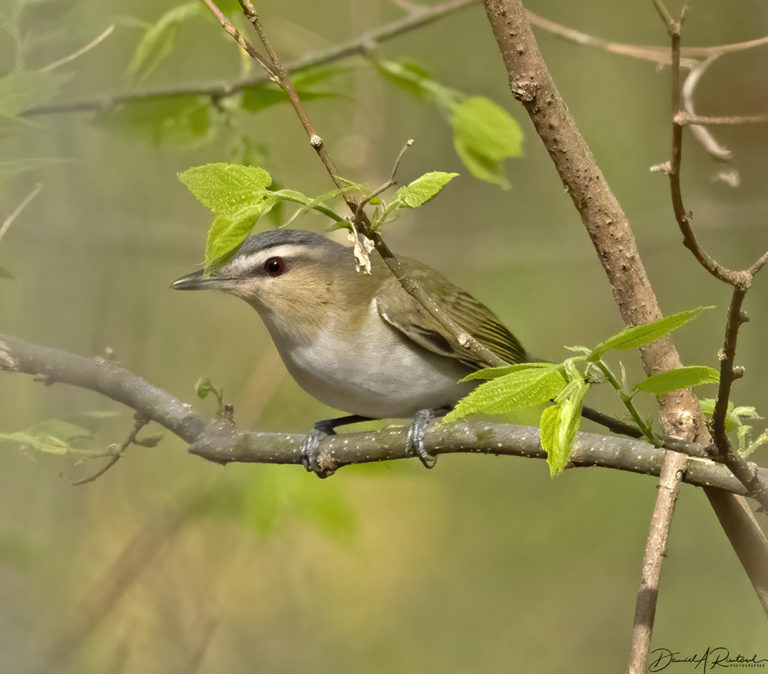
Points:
[(171, 564)]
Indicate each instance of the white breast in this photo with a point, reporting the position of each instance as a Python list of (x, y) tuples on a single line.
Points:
[(380, 374)]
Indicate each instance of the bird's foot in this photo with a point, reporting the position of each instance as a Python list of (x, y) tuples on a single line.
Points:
[(311, 457), (414, 442)]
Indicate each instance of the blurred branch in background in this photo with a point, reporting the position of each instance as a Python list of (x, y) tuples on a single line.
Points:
[(8, 221), (417, 17), (134, 559)]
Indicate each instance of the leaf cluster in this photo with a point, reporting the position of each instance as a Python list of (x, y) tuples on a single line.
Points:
[(562, 386)]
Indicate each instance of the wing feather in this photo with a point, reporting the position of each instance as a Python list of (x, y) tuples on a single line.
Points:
[(405, 314)]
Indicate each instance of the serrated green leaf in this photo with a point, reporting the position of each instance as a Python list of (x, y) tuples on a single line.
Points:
[(632, 338), (164, 120), (424, 188), (229, 190), (5, 273), (224, 235), (560, 423), (683, 377), (158, 40), (519, 389), (494, 372), (25, 89), (484, 134)]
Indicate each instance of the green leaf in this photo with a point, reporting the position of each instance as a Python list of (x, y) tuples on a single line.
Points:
[(231, 190), (164, 120), (734, 421), (424, 188), (414, 79), (5, 273), (205, 387), (53, 436), (281, 494), (494, 372), (484, 134), (516, 390), (682, 377), (26, 89), (559, 425), (224, 235), (632, 338), (481, 167), (258, 97), (158, 41)]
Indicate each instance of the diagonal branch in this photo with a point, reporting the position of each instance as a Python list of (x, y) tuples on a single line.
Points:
[(360, 219), (609, 230)]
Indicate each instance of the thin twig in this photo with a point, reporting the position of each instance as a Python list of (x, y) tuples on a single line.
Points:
[(83, 50), (140, 420), (682, 215), (701, 133), (655, 550), (16, 211), (238, 37), (741, 280), (392, 180), (281, 76), (723, 120)]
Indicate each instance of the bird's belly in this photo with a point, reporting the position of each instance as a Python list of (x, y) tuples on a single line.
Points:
[(387, 379)]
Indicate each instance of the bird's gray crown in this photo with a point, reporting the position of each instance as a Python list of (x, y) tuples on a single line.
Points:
[(281, 237), (291, 243)]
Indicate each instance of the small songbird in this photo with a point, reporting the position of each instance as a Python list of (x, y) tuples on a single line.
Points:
[(358, 342)]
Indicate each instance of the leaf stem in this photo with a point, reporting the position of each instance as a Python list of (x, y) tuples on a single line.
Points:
[(626, 399)]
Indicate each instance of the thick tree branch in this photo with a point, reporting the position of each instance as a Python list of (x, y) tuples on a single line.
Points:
[(609, 230), (218, 440)]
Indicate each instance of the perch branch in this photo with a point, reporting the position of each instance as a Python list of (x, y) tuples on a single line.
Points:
[(218, 440)]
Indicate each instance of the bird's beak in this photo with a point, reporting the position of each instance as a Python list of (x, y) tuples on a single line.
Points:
[(197, 281)]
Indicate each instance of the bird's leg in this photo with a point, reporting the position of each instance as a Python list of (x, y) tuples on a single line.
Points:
[(309, 455), (415, 439)]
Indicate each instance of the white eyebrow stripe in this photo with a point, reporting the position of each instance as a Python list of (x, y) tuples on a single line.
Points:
[(241, 264)]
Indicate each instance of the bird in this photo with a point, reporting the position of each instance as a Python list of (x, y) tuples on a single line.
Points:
[(358, 342)]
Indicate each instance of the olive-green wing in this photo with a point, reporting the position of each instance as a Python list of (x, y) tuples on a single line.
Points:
[(404, 313)]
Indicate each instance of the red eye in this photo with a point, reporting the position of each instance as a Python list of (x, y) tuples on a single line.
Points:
[(274, 266)]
